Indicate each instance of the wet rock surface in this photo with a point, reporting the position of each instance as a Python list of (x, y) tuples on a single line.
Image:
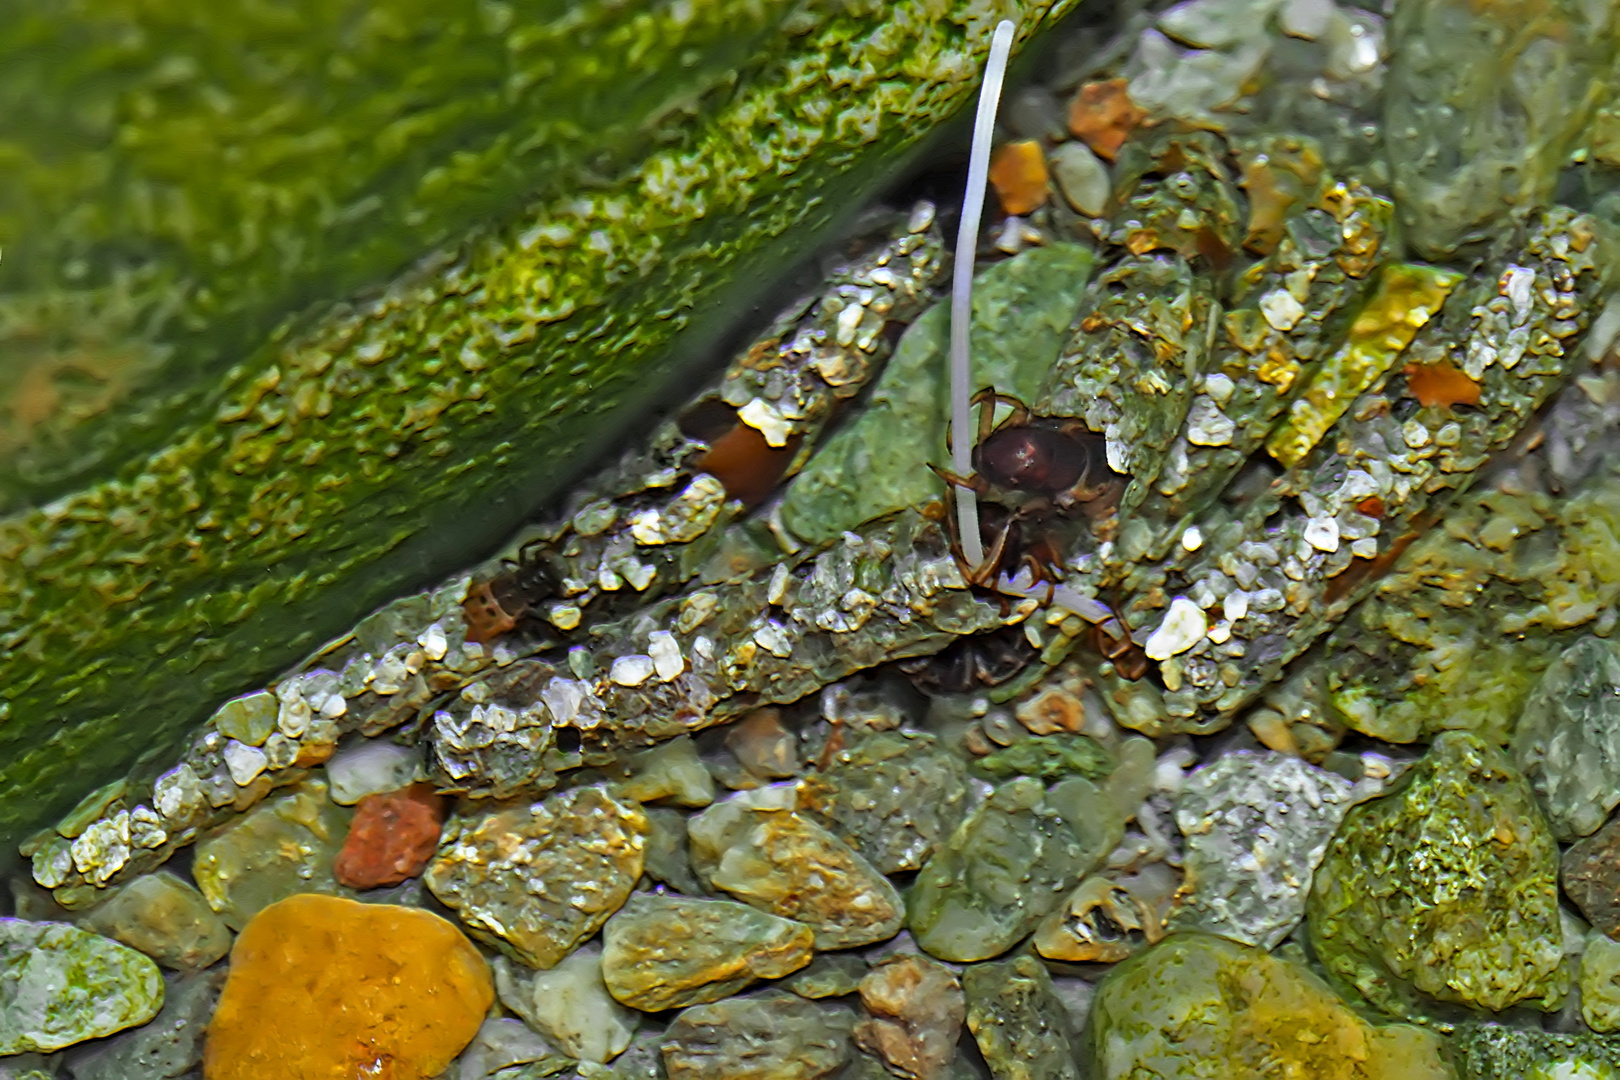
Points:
[(1444, 890), (916, 1009), (321, 985), (1568, 739), (165, 918), (1021, 1026), (569, 1004), (392, 837), (1590, 874), (765, 1036), (170, 1045), (60, 985)]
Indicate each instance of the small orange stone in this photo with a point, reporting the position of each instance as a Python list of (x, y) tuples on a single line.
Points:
[(322, 988), (1441, 384), (1103, 116), (1018, 173), (394, 836)]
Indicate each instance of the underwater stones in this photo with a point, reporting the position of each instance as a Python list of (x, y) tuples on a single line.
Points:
[(535, 881), (663, 952), (1568, 739), (165, 918), (392, 837), (916, 1009), (501, 1044), (1482, 107), (1200, 1007), (1019, 1022), (1047, 757), (782, 862), (1003, 868), (1444, 890), (893, 795), (1081, 177), (369, 767), (1590, 873), (829, 975), (767, 1036), (1490, 1052), (670, 772), (60, 985), (1256, 826), (570, 1005), (320, 986), (282, 847), (1600, 983), (169, 1046)]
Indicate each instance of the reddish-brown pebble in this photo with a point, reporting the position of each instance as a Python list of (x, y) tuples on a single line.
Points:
[(322, 988), (393, 837), (1103, 115)]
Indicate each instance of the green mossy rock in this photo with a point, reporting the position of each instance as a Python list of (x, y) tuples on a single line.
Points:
[(1444, 892), (395, 290), (62, 985)]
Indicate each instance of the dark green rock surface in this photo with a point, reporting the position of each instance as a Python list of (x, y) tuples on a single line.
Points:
[(362, 448)]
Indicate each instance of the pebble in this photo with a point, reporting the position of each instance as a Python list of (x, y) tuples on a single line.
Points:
[(1567, 742), (248, 719), (671, 772), (370, 767), (764, 746), (1199, 1007), (1018, 173), (829, 975), (1445, 890), (1590, 872), (916, 1008), (1002, 870), (1600, 983), (165, 918), (281, 847), (663, 952), (894, 796), (1021, 1025), (502, 1044), (1257, 825), (169, 1046), (1183, 627), (768, 1036), (393, 837), (60, 985), (320, 986), (570, 1005), (1048, 758), (782, 862), (1103, 116), (1493, 1052), (666, 857), (1082, 178), (534, 881)]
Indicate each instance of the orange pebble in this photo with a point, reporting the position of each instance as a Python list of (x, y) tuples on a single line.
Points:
[(1018, 173), (1441, 384), (1103, 115)]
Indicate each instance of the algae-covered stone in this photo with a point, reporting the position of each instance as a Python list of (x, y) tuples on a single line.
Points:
[(1200, 1007), (1048, 757), (893, 795), (1490, 1052), (165, 918), (535, 881), (1004, 868), (1022, 308), (60, 985), (1020, 1024), (167, 1047), (769, 1036), (1256, 827), (781, 861), (662, 952), (282, 847), (1568, 738), (1444, 890), (1482, 106), (1600, 983)]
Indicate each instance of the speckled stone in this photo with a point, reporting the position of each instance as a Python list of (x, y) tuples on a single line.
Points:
[(165, 918), (323, 987), (169, 1046), (782, 862), (916, 1009), (1490, 1052), (1200, 1007), (1590, 872), (894, 796), (767, 1036), (1567, 742), (393, 836), (663, 952), (1003, 869), (537, 880), (1444, 890), (368, 767), (60, 985), (1256, 825), (1020, 1024), (282, 847)]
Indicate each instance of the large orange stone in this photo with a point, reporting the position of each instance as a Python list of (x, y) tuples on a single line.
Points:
[(323, 988)]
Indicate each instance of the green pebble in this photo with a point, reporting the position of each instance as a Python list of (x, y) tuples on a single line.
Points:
[(62, 985)]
